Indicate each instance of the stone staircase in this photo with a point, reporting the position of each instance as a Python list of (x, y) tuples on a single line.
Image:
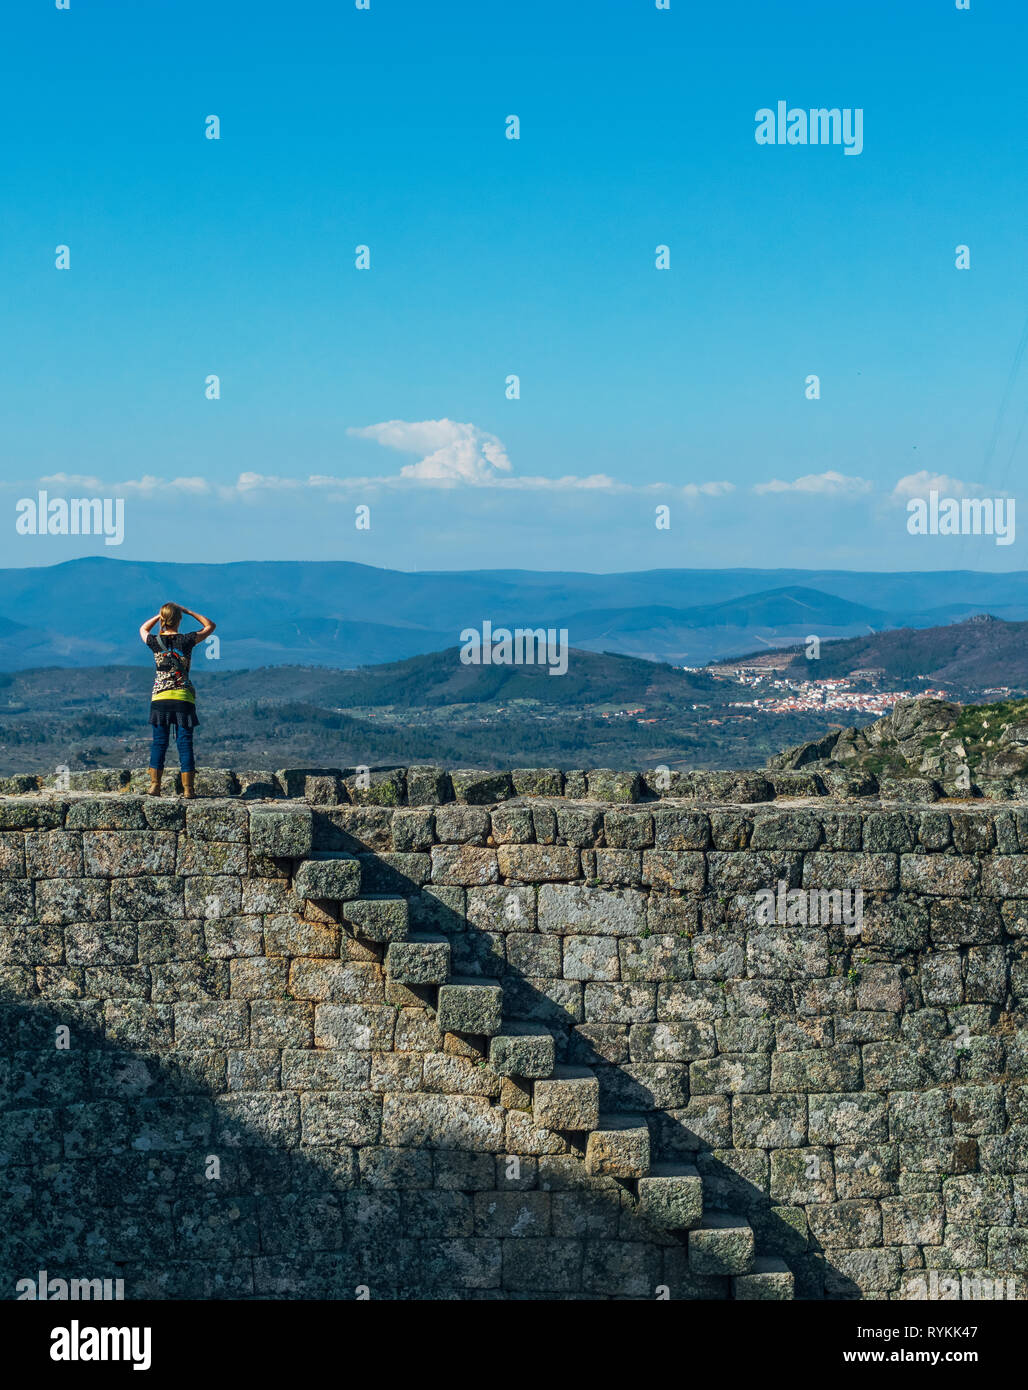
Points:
[(565, 1099)]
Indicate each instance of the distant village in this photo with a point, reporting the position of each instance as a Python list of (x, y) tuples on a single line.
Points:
[(832, 694), (859, 691), (792, 696)]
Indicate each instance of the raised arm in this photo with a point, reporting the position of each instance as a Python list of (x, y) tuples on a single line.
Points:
[(205, 623), (144, 631)]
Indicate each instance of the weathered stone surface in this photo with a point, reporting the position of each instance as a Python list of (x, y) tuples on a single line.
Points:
[(280, 834), (333, 876), (420, 960), (605, 785), (569, 1100), (766, 1122), (378, 918), (679, 870), (628, 829), (213, 895), (619, 1148), (870, 872), (133, 899), (538, 781), (428, 786), (120, 853), (822, 1069), (538, 863), (214, 857), (356, 1027), (459, 825), (572, 909), (442, 1122), (679, 829), (848, 1117), (106, 813), (380, 788), (31, 815), (523, 1050), (591, 958), (938, 874), (470, 1005), (467, 865), (745, 873), (721, 1244), (219, 820), (770, 1280), (786, 830), (481, 788), (671, 1196), (742, 787)]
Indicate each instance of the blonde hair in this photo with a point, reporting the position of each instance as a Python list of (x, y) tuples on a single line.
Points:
[(171, 615)]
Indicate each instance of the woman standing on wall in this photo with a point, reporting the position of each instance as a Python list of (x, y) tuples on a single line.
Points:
[(173, 701)]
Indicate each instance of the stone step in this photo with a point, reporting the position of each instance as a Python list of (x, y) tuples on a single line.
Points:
[(378, 918), (671, 1196), (569, 1099), (470, 1004), (328, 876), (769, 1280), (523, 1050), (721, 1244), (618, 1148), (422, 959)]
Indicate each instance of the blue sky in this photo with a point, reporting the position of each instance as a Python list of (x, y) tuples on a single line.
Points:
[(386, 128)]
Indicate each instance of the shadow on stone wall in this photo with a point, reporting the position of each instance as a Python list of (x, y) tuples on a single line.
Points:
[(110, 1155)]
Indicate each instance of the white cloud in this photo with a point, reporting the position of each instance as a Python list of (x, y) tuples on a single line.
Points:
[(256, 482), (146, 485), (828, 484), (921, 483), (708, 489), (462, 453), (594, 481), (451, 452), (82, 480)]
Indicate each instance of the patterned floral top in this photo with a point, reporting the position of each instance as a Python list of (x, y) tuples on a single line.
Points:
[(171, 679)]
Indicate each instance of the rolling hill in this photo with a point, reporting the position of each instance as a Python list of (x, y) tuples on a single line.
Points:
[(980, 651), (436, 680)]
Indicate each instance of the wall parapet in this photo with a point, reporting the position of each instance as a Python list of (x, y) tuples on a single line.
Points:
[(427, 785)]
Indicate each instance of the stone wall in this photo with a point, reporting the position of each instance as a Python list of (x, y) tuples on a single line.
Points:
[(513, 1036)]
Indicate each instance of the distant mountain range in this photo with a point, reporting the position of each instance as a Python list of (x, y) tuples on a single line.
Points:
[(86, 612), (718, 629)]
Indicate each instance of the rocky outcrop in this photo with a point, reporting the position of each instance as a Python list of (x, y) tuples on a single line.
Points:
[(925, 749)]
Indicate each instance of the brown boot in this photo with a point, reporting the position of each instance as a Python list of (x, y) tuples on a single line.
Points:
[(155, 782), (187, 785)]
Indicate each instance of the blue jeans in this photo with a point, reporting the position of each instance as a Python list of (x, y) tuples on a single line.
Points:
[(159, 748)]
